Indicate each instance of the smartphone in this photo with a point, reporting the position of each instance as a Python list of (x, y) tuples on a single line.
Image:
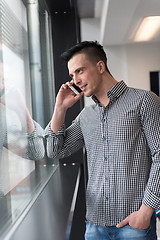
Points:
[(75, 89)]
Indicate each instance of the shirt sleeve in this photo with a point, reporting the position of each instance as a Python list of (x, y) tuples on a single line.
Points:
[(150, 112), (36, 148), (65, 142)]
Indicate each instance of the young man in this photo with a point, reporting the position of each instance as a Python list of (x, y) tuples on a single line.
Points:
[(121, 133)]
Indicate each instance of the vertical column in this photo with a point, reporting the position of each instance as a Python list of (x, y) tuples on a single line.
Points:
[(35, 60)]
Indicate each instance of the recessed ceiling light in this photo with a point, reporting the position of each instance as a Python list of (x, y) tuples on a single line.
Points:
[(148, 29)]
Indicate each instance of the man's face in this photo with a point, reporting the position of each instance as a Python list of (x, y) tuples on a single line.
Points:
[(85, 74)]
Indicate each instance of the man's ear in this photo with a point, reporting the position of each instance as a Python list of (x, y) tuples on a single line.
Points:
[(101, 66)]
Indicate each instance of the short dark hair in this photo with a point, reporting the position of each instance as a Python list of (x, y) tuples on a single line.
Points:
[(93, 50)]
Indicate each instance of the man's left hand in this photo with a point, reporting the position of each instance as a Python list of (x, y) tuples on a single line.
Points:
[(139, 219)]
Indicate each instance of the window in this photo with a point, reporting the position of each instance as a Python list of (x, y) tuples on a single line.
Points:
[(26, 87)]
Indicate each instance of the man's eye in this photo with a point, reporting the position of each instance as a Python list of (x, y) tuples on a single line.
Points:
[(80, 70)]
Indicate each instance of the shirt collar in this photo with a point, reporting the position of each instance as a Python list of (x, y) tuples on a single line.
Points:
[(115, 92)]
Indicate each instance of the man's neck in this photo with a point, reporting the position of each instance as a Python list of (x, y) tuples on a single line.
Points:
[(107, 83)]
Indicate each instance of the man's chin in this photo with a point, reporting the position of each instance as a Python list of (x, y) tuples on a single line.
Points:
[(87, 94)]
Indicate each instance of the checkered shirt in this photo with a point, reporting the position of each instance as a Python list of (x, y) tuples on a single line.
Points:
[(122, 142), (35, 146)]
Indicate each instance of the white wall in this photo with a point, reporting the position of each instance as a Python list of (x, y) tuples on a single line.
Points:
[(132, 62), (117, 62), (90, 29), (141, 60)]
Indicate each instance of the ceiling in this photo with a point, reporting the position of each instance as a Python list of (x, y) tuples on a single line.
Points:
[(119, 19)]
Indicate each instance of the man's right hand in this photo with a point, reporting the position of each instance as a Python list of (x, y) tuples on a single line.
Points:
[(65, 99)]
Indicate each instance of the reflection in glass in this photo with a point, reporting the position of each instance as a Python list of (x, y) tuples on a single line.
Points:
[(21, 100), (21, 138)]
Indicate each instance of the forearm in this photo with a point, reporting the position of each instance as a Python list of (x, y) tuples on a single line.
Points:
[(65, 99), (26, 120), (65, 142), (58, 119), (29, 124)]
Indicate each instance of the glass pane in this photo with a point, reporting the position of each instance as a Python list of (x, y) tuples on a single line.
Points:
[(24, 168), (15, 101)]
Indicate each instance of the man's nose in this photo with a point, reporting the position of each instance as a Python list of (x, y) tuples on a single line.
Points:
[(77, 80)]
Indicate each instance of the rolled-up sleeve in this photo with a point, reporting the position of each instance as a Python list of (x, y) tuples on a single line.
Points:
[(65, 142), (36, 148)]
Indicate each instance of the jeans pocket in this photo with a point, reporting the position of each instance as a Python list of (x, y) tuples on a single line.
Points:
[(146, 230), (128, 232)]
